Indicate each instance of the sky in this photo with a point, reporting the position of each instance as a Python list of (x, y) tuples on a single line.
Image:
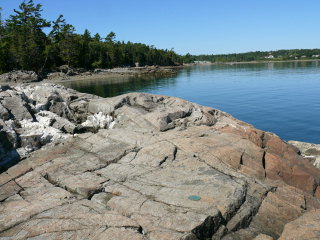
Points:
[(193, 26)]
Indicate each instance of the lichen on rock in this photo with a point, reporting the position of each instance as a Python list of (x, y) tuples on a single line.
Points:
[(99, 120)]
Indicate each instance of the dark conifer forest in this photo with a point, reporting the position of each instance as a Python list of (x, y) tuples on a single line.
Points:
[(25, 45)]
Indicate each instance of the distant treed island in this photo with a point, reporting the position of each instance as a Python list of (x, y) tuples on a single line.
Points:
[(24, 45), (279, 55)]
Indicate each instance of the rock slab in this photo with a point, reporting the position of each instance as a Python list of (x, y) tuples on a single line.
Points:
[(167, 169)]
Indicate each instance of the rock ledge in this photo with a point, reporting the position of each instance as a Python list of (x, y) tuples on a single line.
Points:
[(148, 167)]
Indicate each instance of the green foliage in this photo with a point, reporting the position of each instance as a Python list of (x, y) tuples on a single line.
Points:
[(24, 45), (188, 58), (4, 48), (25, 37), (110, 37)]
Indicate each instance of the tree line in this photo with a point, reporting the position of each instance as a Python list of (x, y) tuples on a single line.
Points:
[(279, 55), (24, 45)]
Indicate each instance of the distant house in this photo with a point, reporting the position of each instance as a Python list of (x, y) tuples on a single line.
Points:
[(315, 56), (202, 62), (269, 57), (304, 56)]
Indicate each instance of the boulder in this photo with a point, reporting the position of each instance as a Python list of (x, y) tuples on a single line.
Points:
[(63, 68), (19, 76), (56, 75), (70, 71), (14, 105)]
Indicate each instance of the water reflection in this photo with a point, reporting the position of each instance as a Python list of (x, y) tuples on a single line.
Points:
[(114, 86), (110, 87)]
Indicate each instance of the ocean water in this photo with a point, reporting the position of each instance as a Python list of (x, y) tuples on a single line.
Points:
[(283, 98)]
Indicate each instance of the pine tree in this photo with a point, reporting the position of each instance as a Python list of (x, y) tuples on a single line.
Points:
[(69, 46), (85, 54), (27, 39), (4, 48)]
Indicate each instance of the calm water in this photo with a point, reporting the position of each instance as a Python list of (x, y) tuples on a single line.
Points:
[(283, 98)]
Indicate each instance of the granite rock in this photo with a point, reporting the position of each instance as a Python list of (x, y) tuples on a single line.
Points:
[(167, 169), (305, 227)]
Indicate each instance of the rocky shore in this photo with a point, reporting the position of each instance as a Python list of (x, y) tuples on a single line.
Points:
[(66, 73), (141, 166)]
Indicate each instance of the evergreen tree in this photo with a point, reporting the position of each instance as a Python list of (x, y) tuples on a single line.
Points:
[(97, 37), (110, 37), (84, 52), (69, 46), (4, 48), (27, 39), (52, 51)]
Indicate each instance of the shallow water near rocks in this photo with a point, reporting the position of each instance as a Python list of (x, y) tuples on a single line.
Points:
[(283, 98)]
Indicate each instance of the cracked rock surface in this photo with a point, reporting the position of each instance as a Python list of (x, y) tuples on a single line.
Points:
[(168, 169)]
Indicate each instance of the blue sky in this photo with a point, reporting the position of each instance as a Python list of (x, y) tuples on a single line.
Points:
[(202, 26)]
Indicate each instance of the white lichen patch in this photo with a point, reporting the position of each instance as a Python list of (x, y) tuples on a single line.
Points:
[(196, 114), (37, 134), (99, 120)]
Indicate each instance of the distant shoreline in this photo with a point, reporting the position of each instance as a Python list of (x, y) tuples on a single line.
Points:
[(116, 73), (165, 70), (250, 62), (125, 72)]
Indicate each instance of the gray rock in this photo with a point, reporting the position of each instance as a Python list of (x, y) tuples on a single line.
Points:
[(17, 106), (4, 114), (60, 108), (56, 75), (63, 68), (19, 76), (69, 71), (7, 127), (64, 125)]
